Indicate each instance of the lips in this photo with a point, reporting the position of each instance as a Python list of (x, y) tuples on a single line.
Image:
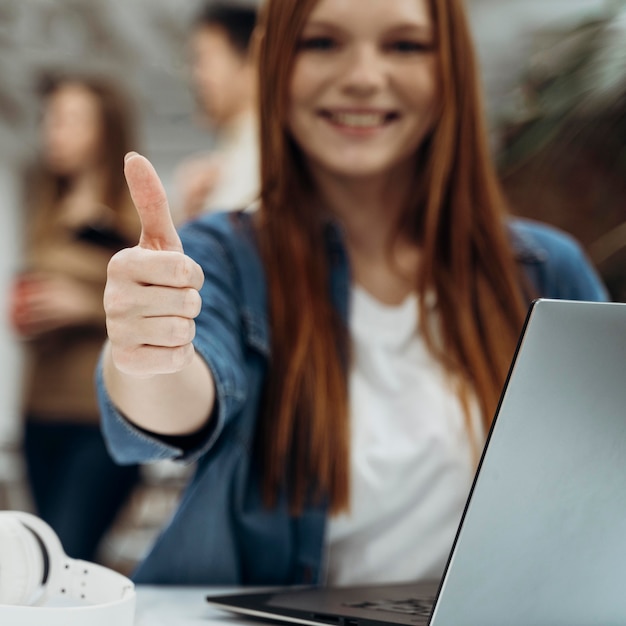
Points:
[(361, 120)]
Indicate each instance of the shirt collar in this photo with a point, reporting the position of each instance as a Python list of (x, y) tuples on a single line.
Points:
[(525, 247)]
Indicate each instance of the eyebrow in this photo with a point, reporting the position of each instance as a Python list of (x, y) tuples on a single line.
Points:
[(422, 29), (400, 28)]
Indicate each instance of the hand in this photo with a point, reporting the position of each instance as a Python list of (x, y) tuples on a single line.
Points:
[(151, 297), (41, 303)]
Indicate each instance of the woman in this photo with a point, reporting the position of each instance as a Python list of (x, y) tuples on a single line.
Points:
[(352, 336), (79, 214)]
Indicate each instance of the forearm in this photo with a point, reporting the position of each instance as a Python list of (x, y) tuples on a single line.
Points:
[(166, 404)]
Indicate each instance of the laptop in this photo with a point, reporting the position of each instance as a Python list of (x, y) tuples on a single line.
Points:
[(542, 539)]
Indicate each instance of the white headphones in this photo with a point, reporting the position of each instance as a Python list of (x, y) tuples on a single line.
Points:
[(40, 585)]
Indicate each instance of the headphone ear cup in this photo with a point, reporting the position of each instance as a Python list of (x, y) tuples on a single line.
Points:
[(21, 562)]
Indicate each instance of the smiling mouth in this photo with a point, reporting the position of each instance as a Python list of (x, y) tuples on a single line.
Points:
[(359, 120)]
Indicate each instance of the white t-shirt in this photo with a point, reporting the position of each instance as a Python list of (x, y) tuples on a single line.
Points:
[(412, 461)]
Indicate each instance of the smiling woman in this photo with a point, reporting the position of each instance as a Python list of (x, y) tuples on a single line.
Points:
[(333, 359)]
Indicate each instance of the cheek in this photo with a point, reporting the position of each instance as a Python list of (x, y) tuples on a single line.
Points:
[(307, 82), (306, 92), (77, 148), (423, 93), (87, 141)]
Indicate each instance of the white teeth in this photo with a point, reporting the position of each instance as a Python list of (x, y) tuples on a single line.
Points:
[(359, 120)]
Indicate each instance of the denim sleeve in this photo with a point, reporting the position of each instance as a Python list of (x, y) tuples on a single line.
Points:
[(218, 340), (558, 266)]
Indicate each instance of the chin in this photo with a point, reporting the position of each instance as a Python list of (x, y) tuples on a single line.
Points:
[(358, 171), (60, 168)]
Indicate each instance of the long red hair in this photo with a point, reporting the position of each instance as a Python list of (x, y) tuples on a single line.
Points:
[(457, 219)]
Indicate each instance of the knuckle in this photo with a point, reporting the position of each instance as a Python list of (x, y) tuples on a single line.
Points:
[(108, 299), (123, 341), (117, 301), (182, 332), (118, 263), (182, 268), (193, 303), (187, 273), (197, 276)]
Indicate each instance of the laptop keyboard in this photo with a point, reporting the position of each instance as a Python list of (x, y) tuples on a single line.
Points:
[(418, 607)]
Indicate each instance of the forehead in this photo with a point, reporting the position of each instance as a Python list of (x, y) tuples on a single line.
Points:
[(372, 14), (73, 95)]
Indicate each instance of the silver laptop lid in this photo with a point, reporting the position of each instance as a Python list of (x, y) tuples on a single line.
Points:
[(543, 539)]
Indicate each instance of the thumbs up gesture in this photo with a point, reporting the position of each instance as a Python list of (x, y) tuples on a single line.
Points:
[(152, 293)]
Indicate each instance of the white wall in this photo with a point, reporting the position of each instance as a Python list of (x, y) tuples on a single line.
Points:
[(10, 353)]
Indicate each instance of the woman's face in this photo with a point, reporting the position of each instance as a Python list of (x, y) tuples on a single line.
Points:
[(72, 130), (364, 90)]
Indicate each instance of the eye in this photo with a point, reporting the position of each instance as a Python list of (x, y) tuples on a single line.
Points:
[(409, 46), (320, 44)]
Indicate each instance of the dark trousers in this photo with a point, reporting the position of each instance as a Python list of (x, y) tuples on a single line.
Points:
[(76, 486)]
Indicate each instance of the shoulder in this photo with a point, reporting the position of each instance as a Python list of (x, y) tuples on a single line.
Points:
[(533, 240), (229, 227), (554, 261), (225, 245), (222, 237)]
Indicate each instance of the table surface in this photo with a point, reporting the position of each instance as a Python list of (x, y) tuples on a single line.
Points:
[(181, 606)]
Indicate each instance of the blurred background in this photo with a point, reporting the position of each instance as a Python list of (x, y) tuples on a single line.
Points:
[(552, 69)]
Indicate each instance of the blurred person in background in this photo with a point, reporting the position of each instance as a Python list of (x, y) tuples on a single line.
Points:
[(78, 213), (334, 359), (224, 82)]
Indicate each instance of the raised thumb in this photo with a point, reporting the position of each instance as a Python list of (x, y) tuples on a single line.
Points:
[(148, 194)]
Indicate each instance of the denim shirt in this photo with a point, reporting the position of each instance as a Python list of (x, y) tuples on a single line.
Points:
[(221, 534)]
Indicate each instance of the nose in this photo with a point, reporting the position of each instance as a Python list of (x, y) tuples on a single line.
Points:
[(364, 71)]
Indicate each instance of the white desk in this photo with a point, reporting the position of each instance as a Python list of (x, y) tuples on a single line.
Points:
[(180, 606)]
